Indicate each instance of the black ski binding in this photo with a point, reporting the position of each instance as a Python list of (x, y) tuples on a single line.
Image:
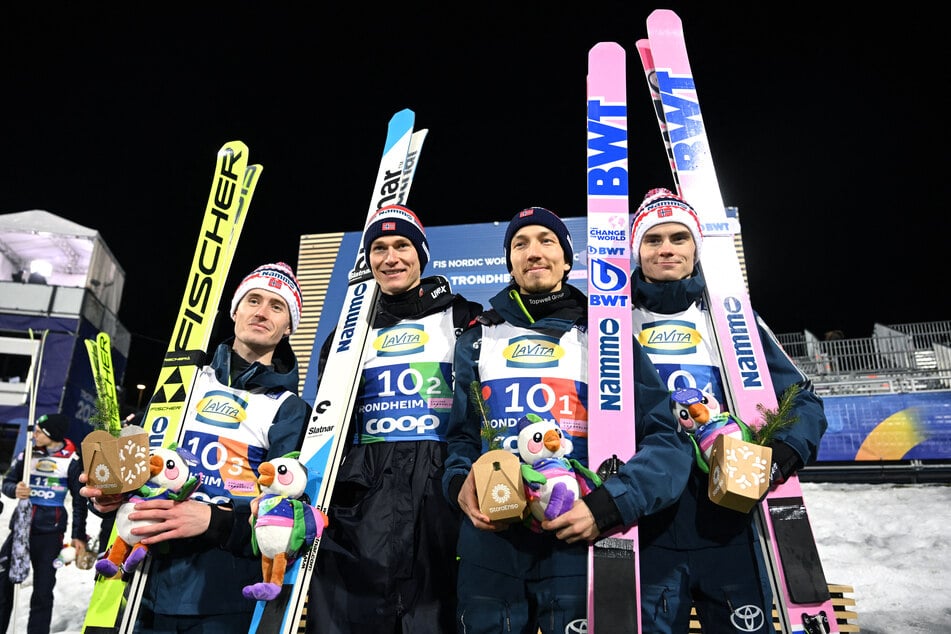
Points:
[(817, 624), (610, 467)]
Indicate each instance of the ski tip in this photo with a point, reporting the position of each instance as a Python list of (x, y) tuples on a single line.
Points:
[(403, 118), (400, 124), (665, 17), (252, 172), (232, 146), (606, 49), (606, 52), (600, 46)]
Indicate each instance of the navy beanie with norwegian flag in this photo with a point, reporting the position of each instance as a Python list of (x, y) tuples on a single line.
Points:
[(545, 218), (396, 220)]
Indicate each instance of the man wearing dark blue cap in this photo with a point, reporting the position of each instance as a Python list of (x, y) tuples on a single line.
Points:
[(387, 561), (528, 355)]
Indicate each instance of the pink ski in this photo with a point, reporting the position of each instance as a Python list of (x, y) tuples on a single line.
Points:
[(781, 518), (613, 561)]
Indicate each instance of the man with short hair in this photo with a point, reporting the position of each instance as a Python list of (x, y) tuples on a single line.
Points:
[(198, 582), (529, 355), (387, 560), (696, 552)]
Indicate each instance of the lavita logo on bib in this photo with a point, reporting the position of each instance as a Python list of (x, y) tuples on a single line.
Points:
[(221, 409), (400, 339), (533, 351), (669, 337)]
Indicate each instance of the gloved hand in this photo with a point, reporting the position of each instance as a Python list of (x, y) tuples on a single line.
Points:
[(785, 462)]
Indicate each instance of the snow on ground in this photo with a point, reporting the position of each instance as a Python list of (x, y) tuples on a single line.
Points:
[(890, 543)]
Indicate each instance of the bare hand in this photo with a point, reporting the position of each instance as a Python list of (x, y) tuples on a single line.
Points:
[(574, 525), (101, 502), (23, 491), (80, 546), (469, 503), (171, 520)]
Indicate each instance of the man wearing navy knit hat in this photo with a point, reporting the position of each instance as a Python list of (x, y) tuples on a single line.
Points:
[(543, 218), (199, 582), (529, 355), (387, 561)]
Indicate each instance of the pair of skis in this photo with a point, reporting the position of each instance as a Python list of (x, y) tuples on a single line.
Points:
[(114, 603), (326, 437), (799, 587)]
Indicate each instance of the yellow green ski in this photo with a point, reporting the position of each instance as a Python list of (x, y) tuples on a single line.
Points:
[(114, 602), (107, 402)]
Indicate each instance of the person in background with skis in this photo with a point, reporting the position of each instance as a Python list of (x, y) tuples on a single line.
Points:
[(696, 552), (55, 468), (508, 573), (196, 586), (387, 560)]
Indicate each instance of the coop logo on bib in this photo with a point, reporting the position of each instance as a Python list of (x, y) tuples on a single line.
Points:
[(669, 337), (221, 409), (400, 340), (533, 351)]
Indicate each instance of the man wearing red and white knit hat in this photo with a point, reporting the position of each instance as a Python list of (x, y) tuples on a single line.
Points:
[(698, 553), (248, 412)]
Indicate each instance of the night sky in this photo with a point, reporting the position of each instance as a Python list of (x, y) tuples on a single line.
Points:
[(824, 124)]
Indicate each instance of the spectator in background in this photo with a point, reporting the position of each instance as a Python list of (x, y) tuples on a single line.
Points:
[(46, 490)]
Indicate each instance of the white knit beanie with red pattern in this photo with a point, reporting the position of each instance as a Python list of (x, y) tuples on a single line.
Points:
[(659, 206), (277, 278)]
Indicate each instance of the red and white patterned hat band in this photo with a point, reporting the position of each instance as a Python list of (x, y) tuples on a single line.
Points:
[(278, 278), (659, 206)]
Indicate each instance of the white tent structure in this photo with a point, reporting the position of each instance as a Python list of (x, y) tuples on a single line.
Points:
[(60, 277), (73, 255)]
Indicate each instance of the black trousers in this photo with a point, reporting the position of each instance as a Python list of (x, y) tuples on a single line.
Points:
[(44, 549)]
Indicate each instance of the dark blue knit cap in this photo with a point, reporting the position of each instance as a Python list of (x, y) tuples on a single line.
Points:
[(545, 218), (396, 220)]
